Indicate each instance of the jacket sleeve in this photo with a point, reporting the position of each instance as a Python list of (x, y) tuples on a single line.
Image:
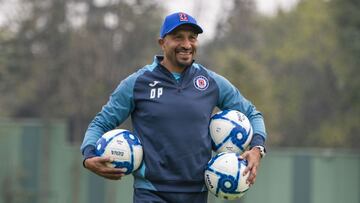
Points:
[(113, 113), (231, 98)]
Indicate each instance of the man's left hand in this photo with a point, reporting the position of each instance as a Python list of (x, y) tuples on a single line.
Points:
[(253, 157)]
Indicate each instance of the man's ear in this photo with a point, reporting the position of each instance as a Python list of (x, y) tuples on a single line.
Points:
[(161, 41)]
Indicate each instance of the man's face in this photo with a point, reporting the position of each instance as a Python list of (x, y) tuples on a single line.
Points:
[(179, 47)]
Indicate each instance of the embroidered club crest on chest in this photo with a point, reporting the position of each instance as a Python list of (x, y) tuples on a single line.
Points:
[(201, 82)]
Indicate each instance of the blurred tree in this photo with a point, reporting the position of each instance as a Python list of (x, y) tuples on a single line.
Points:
[(67, 56), (306, 59), (234, 53), (294, 69), (346, 15), (300, 50)]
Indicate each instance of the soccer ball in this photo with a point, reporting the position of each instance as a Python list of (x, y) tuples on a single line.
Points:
[(230, 131), (123, 147), (224, 176)]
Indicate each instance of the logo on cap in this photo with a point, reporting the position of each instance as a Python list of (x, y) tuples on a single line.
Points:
[(183, 17)]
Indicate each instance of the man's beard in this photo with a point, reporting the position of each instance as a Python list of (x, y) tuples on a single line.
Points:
[(181, 63)]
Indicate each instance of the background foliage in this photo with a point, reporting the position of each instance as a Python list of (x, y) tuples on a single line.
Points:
[(301, 68), (62, 59)]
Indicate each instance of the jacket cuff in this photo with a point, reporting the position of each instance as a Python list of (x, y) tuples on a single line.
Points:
[(88, 152), (257, 140)]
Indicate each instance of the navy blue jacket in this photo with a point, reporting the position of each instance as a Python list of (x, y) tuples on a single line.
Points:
[(171, 119)]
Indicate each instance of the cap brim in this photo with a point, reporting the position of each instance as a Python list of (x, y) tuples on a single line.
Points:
[(196, 27)]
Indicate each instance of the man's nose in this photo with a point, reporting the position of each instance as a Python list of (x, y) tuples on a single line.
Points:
[(186, 44)]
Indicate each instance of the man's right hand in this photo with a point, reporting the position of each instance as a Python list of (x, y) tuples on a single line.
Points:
[(98, 165)]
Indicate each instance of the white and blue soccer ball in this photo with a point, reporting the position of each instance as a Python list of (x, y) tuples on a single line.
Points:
[(230, 131), (224, 176), (123, 147)]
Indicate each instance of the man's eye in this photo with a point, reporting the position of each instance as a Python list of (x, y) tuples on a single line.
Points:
[(193, 38)]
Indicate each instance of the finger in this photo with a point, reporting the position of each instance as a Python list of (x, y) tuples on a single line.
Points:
[(105, 159), (115, 170), (252, 182), (250, 179), (244, 155), (112, 170), (112, 176), (248, 168), (252, 176), (122, 169)]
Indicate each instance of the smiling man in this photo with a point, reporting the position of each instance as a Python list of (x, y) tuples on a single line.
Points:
[(170, 103)]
